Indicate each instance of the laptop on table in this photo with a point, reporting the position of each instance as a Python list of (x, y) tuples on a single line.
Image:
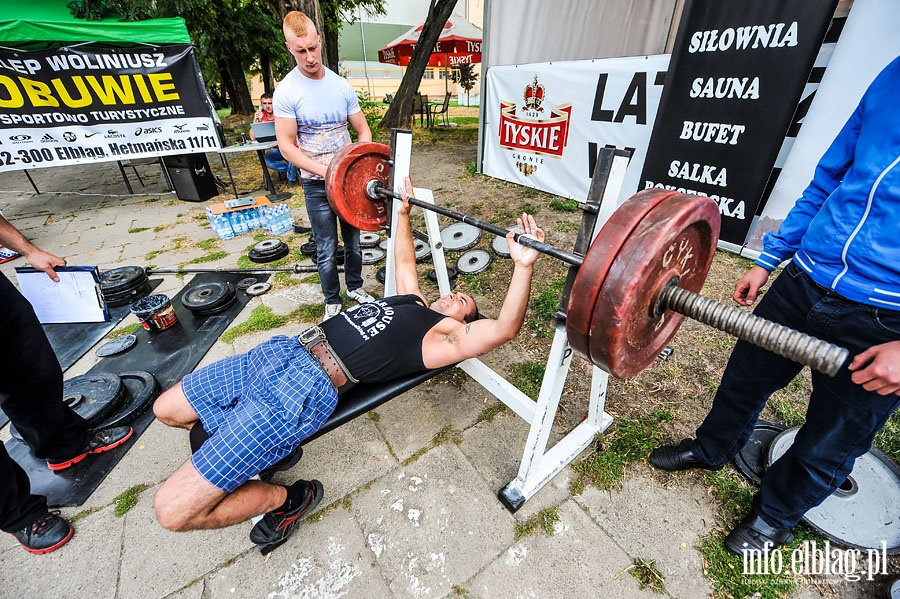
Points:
[(264, 131)]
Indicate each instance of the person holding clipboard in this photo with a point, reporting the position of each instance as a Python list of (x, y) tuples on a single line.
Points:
[(31, 395)]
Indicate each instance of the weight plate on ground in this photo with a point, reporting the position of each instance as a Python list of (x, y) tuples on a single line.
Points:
[(271, 256), (348, 174), (372, 255), (217, 309), (473, 262), (268, 246), (95, 396), (460, 236), (862, 512), (140, 388), (257, 289), (208, 296), (501, 246), (751, 459), (422, 249), (380, 274), (308, 248), (339, 256), (368, 239), (452, 273), (597, 260), (123, 278), (127, 296), (676, 240), (115, 346), (383, 244), (246, 282)]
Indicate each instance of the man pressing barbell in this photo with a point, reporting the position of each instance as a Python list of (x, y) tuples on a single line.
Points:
[(259, 406)]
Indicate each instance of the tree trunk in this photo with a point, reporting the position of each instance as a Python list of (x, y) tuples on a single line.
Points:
[(399, 112), (241, 103), (266, 74)]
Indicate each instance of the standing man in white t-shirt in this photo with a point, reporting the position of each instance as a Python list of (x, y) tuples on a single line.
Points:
[(312, 107)]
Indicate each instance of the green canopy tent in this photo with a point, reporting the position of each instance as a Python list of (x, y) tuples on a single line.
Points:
[(48, 22)]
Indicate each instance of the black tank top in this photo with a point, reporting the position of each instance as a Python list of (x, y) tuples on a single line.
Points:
[(382, 340)]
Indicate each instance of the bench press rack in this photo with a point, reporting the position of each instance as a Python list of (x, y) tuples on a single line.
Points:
[(539, 464)]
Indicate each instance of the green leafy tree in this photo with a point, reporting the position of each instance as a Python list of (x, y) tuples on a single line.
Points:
[(467, 77)]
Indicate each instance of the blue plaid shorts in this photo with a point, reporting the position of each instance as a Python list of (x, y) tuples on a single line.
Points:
[(257, 407)]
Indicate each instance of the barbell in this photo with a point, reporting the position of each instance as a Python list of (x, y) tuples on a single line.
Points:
[(638, 280)]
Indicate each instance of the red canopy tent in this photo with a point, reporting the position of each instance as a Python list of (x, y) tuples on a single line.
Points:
[(459, 43)]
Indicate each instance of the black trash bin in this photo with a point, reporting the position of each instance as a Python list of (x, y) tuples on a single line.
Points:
[(191, 176)]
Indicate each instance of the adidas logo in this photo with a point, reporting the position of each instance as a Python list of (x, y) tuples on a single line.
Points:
[(47, 138)]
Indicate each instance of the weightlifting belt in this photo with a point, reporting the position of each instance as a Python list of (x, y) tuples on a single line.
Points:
[(314, 341)]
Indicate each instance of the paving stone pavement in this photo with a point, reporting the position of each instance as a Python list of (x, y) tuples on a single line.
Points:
[(390, 526)]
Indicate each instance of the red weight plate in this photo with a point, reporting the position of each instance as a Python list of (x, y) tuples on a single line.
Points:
[(349, 172), (676, 239), (614, 233)]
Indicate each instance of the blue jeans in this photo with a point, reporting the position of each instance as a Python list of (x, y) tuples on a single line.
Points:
[(324, 227), (277, 162), (842, 418)]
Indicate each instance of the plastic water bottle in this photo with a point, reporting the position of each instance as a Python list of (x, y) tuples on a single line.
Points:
[(224, 227), (252, 219), (238, 222)]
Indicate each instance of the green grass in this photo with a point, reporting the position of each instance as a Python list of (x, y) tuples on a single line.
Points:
[(487, 414), (128, 329), (208, 244), (527, 377), (625, 442), (647, 575), (129, 498), (138, 229), (211, 257), (564, 204), (544, 520), (263, 319), (543, 306)]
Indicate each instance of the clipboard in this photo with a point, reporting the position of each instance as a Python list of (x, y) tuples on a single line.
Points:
[(77, 296)]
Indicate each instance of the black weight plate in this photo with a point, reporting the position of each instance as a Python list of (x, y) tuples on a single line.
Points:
[(473, 262), (372, 255), (116, 346), (280, 197), (308, 248), (339, 255), (452, 273), (101, 394), (260, 258), (751, 460), (140, 390), (217, 309), (268, 246), (245, 283), (367, 239), (380, 274), (422, 249), (460, 236), (125, 277), (206, 296), (122, 298)]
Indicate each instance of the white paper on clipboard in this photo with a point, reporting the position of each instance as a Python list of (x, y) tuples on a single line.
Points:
[(75, 298)]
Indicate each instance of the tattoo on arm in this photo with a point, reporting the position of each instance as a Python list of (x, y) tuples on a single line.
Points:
[(468, 327)]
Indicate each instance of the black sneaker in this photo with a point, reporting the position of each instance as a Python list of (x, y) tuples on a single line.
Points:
[(100, 441), (286, 463), (50, 531), (275, 527)]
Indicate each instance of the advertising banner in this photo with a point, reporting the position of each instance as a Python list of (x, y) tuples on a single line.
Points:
[(546, 122), (868, 42), (736, 76), (80, 105)]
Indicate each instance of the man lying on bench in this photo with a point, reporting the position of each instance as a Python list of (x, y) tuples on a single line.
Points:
[(258, 407)]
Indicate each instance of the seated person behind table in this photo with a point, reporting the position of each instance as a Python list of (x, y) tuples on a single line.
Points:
[(274, 159), (259, 406)]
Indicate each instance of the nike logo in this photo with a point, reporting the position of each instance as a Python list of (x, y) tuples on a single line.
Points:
[(91, 134)]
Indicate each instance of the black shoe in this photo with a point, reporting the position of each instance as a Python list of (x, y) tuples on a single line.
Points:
[(300, 229), (291, 184), (754, 534), (286, 463), (50, 531), (100, 441), (677, 457), (275, 527)]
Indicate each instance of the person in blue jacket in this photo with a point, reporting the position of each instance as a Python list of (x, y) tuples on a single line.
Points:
[(842, 284)]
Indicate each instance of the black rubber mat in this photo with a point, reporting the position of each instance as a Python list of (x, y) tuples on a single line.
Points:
[(168, 355)]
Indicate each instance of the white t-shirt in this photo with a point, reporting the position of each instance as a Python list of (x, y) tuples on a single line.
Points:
[(321, 107)]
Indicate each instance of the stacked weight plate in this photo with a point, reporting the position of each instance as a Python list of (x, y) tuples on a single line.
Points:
[(268, 250), (210, 298), (124, 285)]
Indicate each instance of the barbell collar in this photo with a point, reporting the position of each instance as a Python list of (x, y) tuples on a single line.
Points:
[(779, 339), (375, 190)]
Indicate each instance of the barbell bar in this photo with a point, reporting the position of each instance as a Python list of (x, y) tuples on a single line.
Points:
[(296, 269), (635, 284)]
